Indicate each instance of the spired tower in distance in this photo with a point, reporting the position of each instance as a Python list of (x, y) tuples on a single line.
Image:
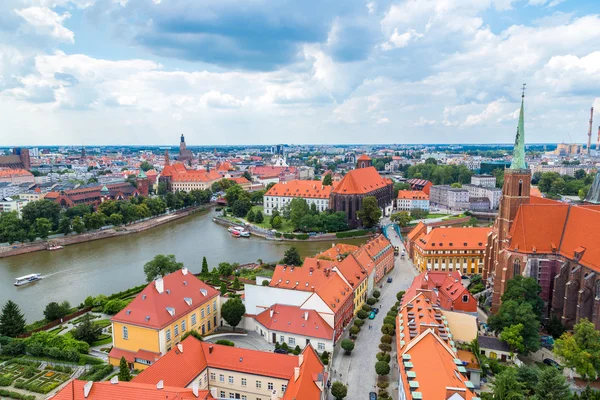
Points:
[(515, 191)]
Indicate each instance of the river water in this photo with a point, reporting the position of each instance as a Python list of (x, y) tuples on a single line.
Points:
[(111, 265)]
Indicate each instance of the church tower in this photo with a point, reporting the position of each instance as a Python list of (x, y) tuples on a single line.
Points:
[(167, 161), (182, 145), (515, 192)]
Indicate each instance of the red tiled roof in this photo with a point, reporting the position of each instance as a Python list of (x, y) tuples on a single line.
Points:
[(295, 320), (376, 245), (270, 170), (412, 195), (361, 181), (196, 175), (335, 292), (310, 277), (74, 390), (310, 379), (364, 157), (14, 172), (340, 248), (455, 238), (300, 188), (149, 308)]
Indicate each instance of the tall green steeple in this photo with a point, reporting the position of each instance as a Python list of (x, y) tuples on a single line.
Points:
[(518, 160)]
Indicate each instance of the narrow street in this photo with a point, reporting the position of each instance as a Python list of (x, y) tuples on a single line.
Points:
[(357, 371)]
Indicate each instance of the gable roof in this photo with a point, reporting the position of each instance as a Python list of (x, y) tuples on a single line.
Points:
[(309, 277), (361, 181), (311, 378), (182, 292), (295, 320), (74, 390), (338, 249), (300, 188), (412, 195), (455, 238)]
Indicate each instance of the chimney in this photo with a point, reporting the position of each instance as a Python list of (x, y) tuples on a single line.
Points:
[(271, 313), (195, 389), (300, 359), (184, 270), (428, 229), (210, 349), (305, 318), (180, 347), (160, 385), (160, 285), (296, 373), (114, 380), (87, 388)]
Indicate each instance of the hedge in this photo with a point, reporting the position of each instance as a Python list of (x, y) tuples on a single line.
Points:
[(36, 387), (225, 342), (97, 373), (5, 380), (15, 395), (86, 359), (349, 234)]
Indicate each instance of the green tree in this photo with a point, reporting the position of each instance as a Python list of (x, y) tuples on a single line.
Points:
[(554, 327), (581, 350), (512, 312), (382, 368), (94, 221), (523, 289), (146, 166), (348, 346), (113, 306), (552, 385), (292, 257), (506, 386), (247, 175), (64, 225), (41, 209), (225, 269), (258, 217), (250, 216), (338, 390), (241, 207), (87, 331), (369, 212), (124, 373), (298, 209), (233, 194), (512, 336), (162, 188), (160, 266), (327, 180), (223, 289), (204, 273), (232, 311), (115, 219), (54, 311), (236, 283), (78, 225), (401, 218), (42, 227), (12, 321), (193, 333), (276, 222)]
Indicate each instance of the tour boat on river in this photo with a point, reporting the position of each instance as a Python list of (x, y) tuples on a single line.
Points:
[(24, 280)]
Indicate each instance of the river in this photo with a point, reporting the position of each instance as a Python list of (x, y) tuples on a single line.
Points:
[(110, 265)]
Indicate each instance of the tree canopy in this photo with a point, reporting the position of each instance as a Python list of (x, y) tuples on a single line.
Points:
[(369, 212), (160, 266), (292, 257), (232, 311), (581, 350), (12, 321)]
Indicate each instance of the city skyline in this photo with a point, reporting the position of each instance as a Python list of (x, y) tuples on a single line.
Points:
[(141, 72)]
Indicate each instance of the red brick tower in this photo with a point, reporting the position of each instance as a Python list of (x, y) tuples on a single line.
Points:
[(142, 183)]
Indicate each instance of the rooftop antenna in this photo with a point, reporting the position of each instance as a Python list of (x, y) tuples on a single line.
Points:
[(523, 90), (589, 146)]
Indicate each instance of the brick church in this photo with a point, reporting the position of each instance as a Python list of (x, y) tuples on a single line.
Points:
[(555, 243)]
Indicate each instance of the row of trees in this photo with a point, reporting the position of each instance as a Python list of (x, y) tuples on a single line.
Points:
[(554, 184)]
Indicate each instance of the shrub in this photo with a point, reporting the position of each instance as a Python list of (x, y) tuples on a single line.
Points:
[(382, 368), (349, 234), (385, 347), (387, 329), (359, 322), (284, 346), (376, 294), (354, 330), (383, 384), (392, 314), (29, 372), (387, 339), (5, 380), (114, 306), (383, 357), (277, 346), (15, 395), (97, 373), (371, 301), (265, 282), (225, 342), (389, 321), (362, 314), (399, 295), (366, 307), (383, 394), (348, 346)]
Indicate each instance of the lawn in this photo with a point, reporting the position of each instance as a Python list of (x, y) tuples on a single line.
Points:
[(286, 227), (433, 215), (104, 339), (456, 216), (103, 323)]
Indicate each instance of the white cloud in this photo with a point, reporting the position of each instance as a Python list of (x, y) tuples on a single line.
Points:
[(425, 122), (571, 73), (44, 21), (402, 40)]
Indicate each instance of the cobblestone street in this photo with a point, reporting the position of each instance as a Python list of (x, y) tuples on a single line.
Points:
[(357, 371)]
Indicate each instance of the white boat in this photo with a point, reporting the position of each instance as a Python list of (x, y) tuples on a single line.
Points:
[(55, 247), (24, 280), (245, 234), (235, 228)]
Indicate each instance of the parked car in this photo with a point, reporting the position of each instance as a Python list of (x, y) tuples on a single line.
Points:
[(372, 396), (280, 351), (372, 315), (375, 310), (389, 279), (550, 362)]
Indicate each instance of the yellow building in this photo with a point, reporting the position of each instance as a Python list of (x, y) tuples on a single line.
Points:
[(154, 322), (450, 249)]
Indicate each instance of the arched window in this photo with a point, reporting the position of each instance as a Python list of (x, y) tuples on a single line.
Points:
[(598, 290), (520, 187), (516, 267), (362, 164), (125, 333)]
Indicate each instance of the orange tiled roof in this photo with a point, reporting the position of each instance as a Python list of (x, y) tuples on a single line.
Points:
[(300, 188), (74, 390), (335, 292), (361, 181), (14, 172), (240, 180), (455, 238), (416, 232), (182, 293), (295, 320), (534, 191), (310, 277), (339, 248), (271, 170), (196, 175), (364, 259), (311, 379), (364, 157), (352, 271), (412, 195), (446, 288), (377, 245)]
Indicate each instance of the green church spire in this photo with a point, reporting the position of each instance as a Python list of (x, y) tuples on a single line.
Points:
[(518, 160)]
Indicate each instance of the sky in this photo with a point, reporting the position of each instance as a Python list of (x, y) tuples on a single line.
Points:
[(234, 72)]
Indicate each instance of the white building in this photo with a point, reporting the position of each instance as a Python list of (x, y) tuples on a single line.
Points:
[(492, 193), (281, 194), (9, 205), (484, 180), (412, 199)]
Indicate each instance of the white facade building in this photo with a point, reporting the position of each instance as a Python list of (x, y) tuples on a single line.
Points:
[(412, 199), (283, 193), (492, 193), (484, 180)]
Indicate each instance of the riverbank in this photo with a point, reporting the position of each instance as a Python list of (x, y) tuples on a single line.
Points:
[(136, 227), (270, 235)]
